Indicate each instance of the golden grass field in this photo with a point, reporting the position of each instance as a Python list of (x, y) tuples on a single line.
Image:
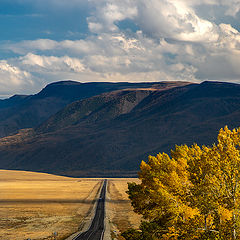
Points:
[(35, 205), (120, 212)]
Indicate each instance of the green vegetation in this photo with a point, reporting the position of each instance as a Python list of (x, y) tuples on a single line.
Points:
[(194, 194)]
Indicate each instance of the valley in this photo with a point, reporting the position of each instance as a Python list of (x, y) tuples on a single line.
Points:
[(103, 133)]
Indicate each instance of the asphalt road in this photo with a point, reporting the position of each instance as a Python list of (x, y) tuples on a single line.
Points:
[(96, 230)]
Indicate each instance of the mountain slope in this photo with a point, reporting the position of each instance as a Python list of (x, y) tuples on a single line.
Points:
[(109, 135), (20, 112), (101, 108)]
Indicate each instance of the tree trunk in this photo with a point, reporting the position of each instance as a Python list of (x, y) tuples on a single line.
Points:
[(234, 225)]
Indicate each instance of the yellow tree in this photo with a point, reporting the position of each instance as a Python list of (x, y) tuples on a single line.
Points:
[(161, 197), (202, 192), (225, 157), (194, 194)]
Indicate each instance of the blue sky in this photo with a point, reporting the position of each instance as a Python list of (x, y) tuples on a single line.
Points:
[(43, 41), (24, 20)]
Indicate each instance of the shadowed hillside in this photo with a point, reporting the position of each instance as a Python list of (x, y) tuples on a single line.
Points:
[(20, 111)]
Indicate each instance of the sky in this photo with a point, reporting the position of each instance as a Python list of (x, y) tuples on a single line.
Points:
[(44, 41)]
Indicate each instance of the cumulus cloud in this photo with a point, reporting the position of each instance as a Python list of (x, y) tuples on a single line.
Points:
[(12, 77), (166, 18), (51, 63), (115, 55), (174, 40), (232, 7), (109, 12), (36, 45)]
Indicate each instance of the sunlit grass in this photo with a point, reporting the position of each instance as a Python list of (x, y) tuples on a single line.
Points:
[(120, 212), (35, 205)]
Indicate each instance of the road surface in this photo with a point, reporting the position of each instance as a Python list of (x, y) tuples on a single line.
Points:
[(96, 230)]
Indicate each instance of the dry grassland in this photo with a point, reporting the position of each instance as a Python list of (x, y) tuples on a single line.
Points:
[(119, 209), (34, 205)]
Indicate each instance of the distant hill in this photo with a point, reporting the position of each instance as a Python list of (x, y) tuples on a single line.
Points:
[(109, 134), (22, 111)]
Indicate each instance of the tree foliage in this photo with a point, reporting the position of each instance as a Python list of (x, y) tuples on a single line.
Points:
[(194, 194)]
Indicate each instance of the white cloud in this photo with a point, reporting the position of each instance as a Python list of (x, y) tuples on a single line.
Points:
[(47, 45), (114, 55), (173, 43), (165, 18), (95, 27), (174, 19), (103, 19), (27, 45), (51, 63), (12, 77), (231, 7)]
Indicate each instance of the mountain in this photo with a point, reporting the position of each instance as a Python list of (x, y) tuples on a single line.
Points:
[(109, 134), (22, 111)]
